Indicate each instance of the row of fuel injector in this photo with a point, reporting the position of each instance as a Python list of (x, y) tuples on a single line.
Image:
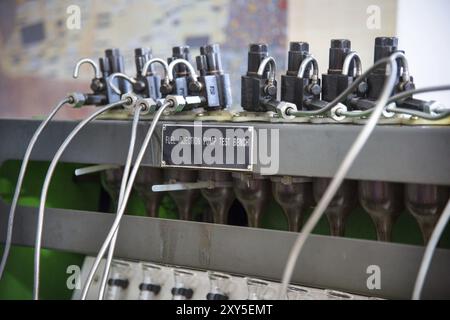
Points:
[(303, 89)]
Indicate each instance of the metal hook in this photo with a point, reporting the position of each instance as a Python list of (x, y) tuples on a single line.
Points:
[(161, 62), (90, 62), (186, 63), (352, 56), (401, 56), (305, 63), (273, 67), (119, 75)]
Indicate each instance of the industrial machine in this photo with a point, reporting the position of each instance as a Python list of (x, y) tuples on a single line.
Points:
[(351, 144)]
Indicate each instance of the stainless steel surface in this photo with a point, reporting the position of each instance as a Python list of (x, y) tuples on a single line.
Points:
[(393, 153), (327, 262)]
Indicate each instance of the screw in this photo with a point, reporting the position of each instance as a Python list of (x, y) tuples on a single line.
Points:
[(315, 89), (363, 87), (166, 88), (195, 86), (270, 89)]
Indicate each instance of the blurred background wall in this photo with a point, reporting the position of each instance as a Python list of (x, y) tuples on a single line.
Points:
[(38, 51)]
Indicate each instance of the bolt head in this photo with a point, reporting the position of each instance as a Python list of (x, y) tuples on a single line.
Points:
[(210, 48), (142, 51), (270, 89), (139, 86), (386, 41), (341, 44), (315, 89), (166, 88), (363, 87), (299, 46), (195, 86), (97, 85), (408, 85), (114, 52), (180, 51), (259, 48)]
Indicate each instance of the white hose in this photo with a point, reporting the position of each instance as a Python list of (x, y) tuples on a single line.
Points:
[(339, 176), (431, 247), (123, 185), (122, 208), (48, 177), (23, 169)]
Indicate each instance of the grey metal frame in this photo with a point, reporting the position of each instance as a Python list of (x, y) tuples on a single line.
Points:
[(399, 154), (393, 153), (327, 262)]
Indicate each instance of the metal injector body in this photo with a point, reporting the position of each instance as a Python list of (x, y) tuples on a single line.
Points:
[(337, 80), (258, 88), (147, 85), (295, 88), (216, 86)]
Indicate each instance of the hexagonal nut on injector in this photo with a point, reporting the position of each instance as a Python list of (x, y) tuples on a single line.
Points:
[(388, 114), (77, 99), (131, 100), (285, 108), (334, 112), (178, 103), (147, 105), (435, 108)]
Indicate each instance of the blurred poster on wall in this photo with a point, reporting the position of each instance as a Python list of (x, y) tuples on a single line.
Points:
[(39, 44)]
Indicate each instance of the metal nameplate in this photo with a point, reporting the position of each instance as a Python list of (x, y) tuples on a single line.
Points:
[(207, 146)]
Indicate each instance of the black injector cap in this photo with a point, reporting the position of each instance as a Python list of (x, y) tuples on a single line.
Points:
[(257, 53), (298, 51), (384, 47), (339, 49)]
